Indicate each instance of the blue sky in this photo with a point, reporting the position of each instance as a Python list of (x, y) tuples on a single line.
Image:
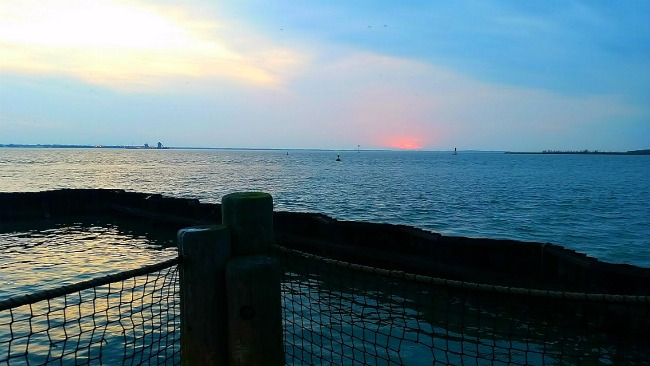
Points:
[(327, 74)]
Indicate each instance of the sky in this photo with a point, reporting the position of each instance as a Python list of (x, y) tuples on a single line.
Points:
[(436, 75)]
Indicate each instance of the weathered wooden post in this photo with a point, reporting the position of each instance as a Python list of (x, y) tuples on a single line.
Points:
[(249, 218), (252, 282), (204, 325)]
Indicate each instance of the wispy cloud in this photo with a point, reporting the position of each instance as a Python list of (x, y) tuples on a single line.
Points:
[(127, 46), (496, 75), (396, 102)]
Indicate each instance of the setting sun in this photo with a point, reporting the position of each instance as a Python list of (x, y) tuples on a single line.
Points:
[(405, 143)]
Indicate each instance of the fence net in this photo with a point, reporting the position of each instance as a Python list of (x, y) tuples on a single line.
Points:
[(130, 318), (334, 313), (346, 314)]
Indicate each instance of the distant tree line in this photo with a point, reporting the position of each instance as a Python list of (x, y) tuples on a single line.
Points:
[(570, 152), (633, 152), (595, 152)]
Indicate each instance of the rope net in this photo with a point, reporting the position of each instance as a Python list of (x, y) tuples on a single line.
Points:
[(131, 318), (335, 313), (348, 314)]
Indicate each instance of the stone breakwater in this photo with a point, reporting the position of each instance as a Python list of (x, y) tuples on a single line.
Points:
[(513, 263)]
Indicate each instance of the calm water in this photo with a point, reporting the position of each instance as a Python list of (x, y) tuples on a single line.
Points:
[(40, 255), (115, 324), (595, 204), (598, 205)]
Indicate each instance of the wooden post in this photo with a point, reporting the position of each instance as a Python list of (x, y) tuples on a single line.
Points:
[(249, 218), (253, 282), (204, 336), (254, 311)]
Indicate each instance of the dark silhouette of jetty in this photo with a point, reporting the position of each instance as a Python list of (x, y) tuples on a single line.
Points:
[(582, 152)]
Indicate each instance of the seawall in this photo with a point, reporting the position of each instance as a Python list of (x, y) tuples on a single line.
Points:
[(398, 247)]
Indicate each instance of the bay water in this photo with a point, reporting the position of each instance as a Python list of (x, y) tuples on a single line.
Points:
[(595, 204)]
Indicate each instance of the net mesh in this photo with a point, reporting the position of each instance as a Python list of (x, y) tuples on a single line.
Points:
[(118, 319), (347, 314), (335, 313)]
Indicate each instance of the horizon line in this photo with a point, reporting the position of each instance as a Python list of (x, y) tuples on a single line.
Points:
[(141, 147)]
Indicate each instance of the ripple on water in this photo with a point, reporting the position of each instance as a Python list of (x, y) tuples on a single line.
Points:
[(73, 252), (574, 201)]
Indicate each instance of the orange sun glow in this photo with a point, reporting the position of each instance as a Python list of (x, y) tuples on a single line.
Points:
[(405, 143)]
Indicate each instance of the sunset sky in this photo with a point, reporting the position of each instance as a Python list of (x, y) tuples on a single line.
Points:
[(486, 75)]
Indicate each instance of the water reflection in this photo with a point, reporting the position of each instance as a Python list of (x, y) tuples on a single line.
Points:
[(45, 254)]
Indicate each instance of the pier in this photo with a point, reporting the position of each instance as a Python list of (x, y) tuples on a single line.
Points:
[(324, 290)]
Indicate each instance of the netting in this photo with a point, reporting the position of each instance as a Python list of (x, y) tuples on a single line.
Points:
[(347, 314), (130, 318), (335, 313)]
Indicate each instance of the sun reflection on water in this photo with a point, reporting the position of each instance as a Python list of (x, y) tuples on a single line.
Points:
[(56, 253)]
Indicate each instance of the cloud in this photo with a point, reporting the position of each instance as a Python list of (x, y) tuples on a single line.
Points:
[(231, 80), (132, 47), (345, 98), (397, 102)]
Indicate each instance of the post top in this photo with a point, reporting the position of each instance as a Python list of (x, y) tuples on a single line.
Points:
[(246, 196), (249, 218), (193, 229)]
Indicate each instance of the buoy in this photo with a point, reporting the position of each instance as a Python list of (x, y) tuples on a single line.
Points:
[(338, 157)]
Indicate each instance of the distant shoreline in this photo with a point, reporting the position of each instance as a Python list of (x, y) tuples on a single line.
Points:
[(141, 147), (58, 146), (130, 147), (583, 152)]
